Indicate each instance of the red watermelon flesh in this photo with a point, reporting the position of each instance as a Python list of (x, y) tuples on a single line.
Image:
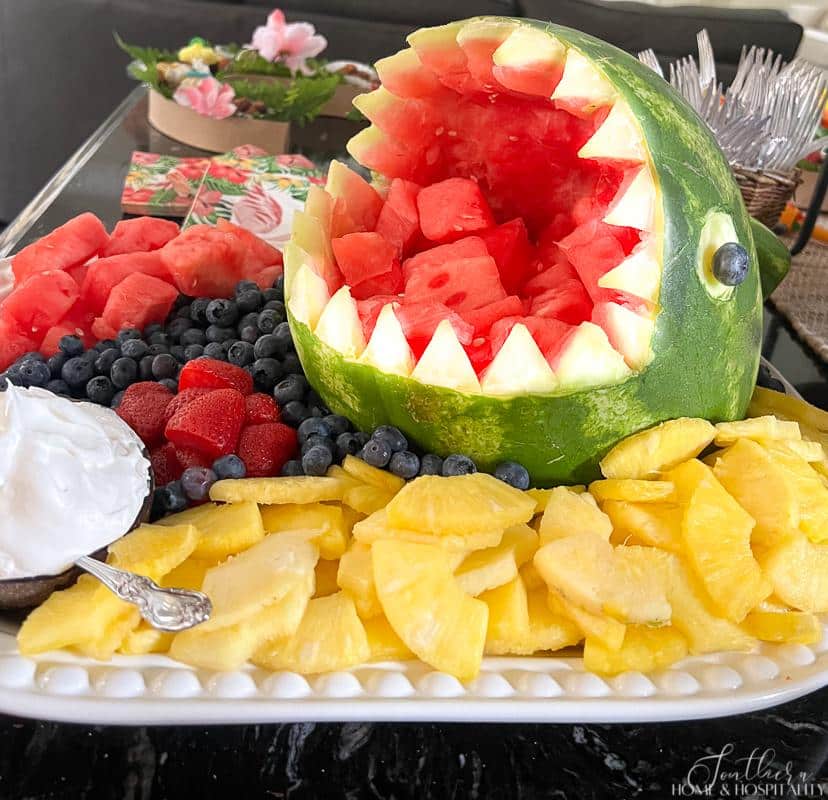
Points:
[(13, 342), (137, 301), (204, 261), (105, 274), (140, 235), (389, 283), (484, 317), (40, 302), (550, 278), (399, 220), (479, 353), (369, 309), (76, 322), (467, 247), (258, 256), (568, 302), (593, 249), (78, 274), (452, 208), (549, 334), (363, 256), (420, 320), (462, 285), (509, 246)]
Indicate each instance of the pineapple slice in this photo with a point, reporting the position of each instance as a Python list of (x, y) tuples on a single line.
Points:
[(571, 514), (653, 524), (153, 550), (326, 572), (189, 517), (487, 569), (441, 624), (542, 496), (103, 643), (356, 576), (639, 589), (548, 630), (716, 532), (508, 630), (145, 639), (384, 644), (789, 626), (762, 487), (608, 631), (648, 453), (228, 529), (258, 577), (366, 499), (530, 576), (377, 526), (757, 428), (348, 480), (188, 574), (459, 505), (324, 525), (228, 648), (644, 650), (631, 489), (798, 570), (273, 491), (329, 637), (812, 452), (365, 473)]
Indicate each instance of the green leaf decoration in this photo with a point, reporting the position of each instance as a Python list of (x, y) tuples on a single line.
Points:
[(144, 64), (299, 101)]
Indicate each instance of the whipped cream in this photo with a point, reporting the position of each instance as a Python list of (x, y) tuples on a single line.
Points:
[(73, 478)]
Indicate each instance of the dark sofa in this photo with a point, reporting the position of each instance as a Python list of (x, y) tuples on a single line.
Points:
[(61, 73)]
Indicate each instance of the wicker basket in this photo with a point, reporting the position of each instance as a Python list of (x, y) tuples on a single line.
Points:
[(766, 192)]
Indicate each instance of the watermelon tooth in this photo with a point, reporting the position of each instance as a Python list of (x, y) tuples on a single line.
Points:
[(444, 363), (629, 333), (308, 296), (479, 40), (403, 75), (530, 62), (618, 138), (634, 204), (582, 87), (378, 152), (388, 349), (639, 273), (587, 359), (438, 50), (339, 325), (356, 203), (310, 236), (519, 367)]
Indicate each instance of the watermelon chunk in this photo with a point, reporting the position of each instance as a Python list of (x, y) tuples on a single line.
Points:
[(204, 261), (484, 317), (105, 274), (389, 283), (13, 341), (452, 208), (261, 262), (41, 302), (468, 247), (357, 204), (593, 250), (549, 334), (369, 309), (420, 320), (508, 244), (463, 285), (568, 302), (550, 278), (363, 256), (73, 243), (137, 301), (139, 235), (479, 353), (399, 220)]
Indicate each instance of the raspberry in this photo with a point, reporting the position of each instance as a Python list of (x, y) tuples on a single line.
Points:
[(165, 464), (214, 374), (182, 399), (143, 407), (260, 408), (210, 423), (265, 448)]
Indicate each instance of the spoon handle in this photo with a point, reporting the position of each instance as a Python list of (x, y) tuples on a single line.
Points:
[(164, 609)]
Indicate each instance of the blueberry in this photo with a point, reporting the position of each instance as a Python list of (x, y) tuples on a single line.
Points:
[(376, 452), (58, 387), (77, 372), (316, 460), (215, 333), (317, 440), (222, 312), (291, 364), (134, 348), (193, 351), (240, 354), (228, 343), (164, 366), (311, 426), (152, 329), (458, 465), (177, 327), (392, 436), (294, 412), (145, 368), (289, 389), (192, 336), (90, 355), (248, 301), (229, 467), (313, 400), (173, 498), (347, 444), (71, 346), (404, 464), (337, 424), (363, 438), (128, 333), (160, 339), (183, 311), (100, 390), (249, 320), (246, 286), (279, 287), (116, 400), (177, 352), (249, 334), (431, 465), (158, 349), (182, 300), (34, 373), (267, 346), (513, 473), (767, 380), (106, 344), (215, 350), (268, 320), (278, 306), (198, 310), (55, 364), (196, 482), (157, 508), (292, 469), (730, 264), (283, 337), (170, 384), (265, 372), (124, 372)]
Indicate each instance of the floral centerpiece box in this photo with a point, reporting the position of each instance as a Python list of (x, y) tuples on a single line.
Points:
[(217, 97)]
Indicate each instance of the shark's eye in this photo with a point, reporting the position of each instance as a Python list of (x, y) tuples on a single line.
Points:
[(731, 264)]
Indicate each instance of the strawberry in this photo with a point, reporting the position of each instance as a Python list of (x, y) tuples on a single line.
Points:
[(187, 457), (265, 448), (182, 398), (143, 407), (165, 464), (214, 374), (210, 423), (260, 408)]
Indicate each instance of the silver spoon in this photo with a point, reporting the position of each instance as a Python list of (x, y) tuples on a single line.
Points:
[(164, 609)]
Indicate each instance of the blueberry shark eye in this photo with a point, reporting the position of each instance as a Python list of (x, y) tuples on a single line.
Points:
[(731, 264)]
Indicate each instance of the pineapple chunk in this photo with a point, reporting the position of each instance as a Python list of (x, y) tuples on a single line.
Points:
[(153, 550), (570, 514), (272, 491), (548, 630), (365, 473), (329, 637), (366, 499), (530, 576), (644, 650), (631, 489), (542, 496), (228, 529), (608, 631), (757, 428), (146, 639), (789, 626), (348, 480), (258, 577), (639, 590), (188, 574), (384, 644), (189, 517), (326, 578), (229, 647), (356, 576), (508, 630), (650, 452), (762, 487), (459, 505), (716, 532), (524, 541), (441, 624), (377, 526), (324, 525), (798, 570), (653, 524), (103, 643), (812, 452), (487, 569)]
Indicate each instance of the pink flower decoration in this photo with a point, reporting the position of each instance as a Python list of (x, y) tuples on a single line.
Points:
[(293, 43), (207, 96), (258, 212)]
